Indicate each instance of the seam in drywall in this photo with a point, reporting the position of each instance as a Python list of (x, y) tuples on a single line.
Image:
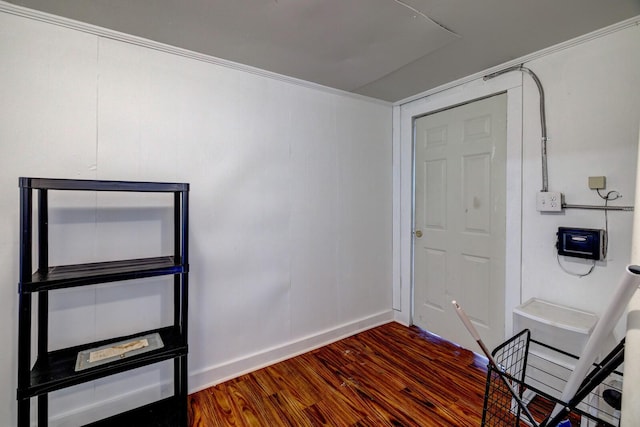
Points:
[(97, 141), (161, 47)]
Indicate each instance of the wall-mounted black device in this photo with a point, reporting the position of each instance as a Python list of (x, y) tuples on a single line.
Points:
[(581, 242)]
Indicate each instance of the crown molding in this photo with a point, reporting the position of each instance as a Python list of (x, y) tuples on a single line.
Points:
[(635, 21), (106, 33)]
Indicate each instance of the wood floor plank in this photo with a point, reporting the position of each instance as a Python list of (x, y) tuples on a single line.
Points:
[(391, 375), (266, 382), (291, 412)]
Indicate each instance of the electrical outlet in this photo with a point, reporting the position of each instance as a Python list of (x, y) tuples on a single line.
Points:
[(549, 201)]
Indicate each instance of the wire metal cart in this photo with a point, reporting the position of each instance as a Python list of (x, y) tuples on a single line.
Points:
[(537, 373)]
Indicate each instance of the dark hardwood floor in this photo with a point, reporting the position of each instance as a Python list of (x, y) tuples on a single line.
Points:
[(387, 376)]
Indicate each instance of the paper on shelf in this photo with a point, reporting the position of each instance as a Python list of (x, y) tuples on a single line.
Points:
[(117, 350)]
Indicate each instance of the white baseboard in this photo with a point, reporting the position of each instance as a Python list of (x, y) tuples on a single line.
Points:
[(217, 374), (104, 408), (402, 316)]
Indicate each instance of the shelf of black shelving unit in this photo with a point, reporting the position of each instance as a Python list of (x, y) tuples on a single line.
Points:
[(66, 276), (55, 370), (98, 185)]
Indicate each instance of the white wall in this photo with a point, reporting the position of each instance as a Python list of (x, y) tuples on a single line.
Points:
[(290, 203), (593, 112)]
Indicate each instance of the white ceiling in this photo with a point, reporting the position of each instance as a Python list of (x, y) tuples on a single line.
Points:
[(387, 49)]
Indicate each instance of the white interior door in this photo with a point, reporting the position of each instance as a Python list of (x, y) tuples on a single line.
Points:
[(459, 220)]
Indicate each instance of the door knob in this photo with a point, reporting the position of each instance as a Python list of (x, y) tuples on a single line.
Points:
[(418, 233)]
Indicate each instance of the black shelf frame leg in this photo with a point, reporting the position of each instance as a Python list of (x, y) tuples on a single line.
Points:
[(24, 308), (43, 297), (181, 295)]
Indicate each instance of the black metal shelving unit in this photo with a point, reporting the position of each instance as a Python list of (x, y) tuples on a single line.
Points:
[(55, 370)]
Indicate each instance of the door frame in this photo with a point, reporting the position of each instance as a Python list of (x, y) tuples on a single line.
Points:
[(404, 115)]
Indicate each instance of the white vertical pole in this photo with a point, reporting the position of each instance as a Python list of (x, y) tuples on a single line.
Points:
[(630, 414)]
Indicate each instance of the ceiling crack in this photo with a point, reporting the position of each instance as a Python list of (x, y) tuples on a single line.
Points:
[(427, 17)]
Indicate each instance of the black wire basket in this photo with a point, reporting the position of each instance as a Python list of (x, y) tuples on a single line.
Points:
[(538, 373)]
